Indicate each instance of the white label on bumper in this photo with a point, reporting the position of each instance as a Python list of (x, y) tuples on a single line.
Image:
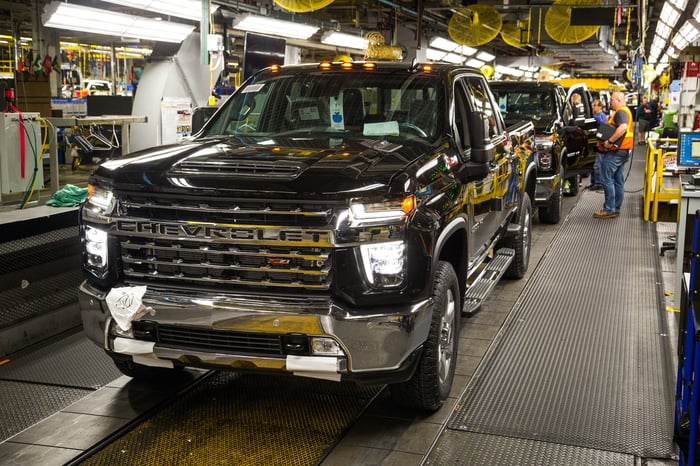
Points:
[(129, 346), (153, 361), (141, 352), (315, 367)]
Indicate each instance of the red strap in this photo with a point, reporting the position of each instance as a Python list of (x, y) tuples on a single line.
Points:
[(21, 138)]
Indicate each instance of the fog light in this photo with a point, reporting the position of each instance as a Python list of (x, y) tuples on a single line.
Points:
[(384, 263), (322, 346)]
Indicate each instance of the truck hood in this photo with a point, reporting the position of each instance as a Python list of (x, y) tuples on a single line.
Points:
[(322, 165)]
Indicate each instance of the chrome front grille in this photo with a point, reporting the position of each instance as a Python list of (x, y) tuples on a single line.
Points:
[(225, 256), (228, 210)]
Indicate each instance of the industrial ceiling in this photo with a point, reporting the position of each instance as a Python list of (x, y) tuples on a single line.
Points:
[(623, 30)]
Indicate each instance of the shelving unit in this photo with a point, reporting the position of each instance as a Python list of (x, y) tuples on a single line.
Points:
[(689, 96)]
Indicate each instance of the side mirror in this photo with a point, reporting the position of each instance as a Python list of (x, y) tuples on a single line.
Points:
[(200, 116), (471, 171), (482, 148)]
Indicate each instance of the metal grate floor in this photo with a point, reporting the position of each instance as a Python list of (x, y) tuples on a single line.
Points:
[(243, 420), (71, 361)]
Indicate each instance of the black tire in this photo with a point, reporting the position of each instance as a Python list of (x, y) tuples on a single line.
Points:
[(574, 182), (430, 385), (551, 213), (128, 367), (521, 241)]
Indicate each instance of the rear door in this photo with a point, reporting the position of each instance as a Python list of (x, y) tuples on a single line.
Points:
[(580, 140)]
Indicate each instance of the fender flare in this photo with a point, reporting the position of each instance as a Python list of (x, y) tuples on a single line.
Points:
[(458, 223)]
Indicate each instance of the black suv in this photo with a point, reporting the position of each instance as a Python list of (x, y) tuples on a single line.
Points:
[(565, 147)]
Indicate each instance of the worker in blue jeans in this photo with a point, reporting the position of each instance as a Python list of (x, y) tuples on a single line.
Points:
[(616, 153), (600, 117)]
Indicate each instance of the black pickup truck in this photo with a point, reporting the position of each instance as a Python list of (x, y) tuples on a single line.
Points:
[(566, 146), (328, 221)]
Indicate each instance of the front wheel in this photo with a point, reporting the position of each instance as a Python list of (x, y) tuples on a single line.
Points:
[(551, 213), (431, 383), (520, 242)]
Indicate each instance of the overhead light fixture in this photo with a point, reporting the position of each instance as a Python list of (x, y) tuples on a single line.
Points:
[(680, 4), (663, 30), (275, 27), (190, 9), (92, 20), (474, 63), (435, 54), (485, 56), (443, 44), (670, 14), (340, 39), (446, 44), (679, 42), (690, 31)]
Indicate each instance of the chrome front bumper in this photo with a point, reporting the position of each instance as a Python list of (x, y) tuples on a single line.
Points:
[(545, 187), (378, 340)]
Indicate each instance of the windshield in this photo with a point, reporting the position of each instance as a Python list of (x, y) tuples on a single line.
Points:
[(537, 106), (364, 104)]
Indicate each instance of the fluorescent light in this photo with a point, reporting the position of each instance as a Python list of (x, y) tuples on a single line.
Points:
[(275, 27), (340, 39), (435, 54), (690, 31), (663, 30), (679, 42), (190, 9), (466, 50), (669, 14), (485, 56), (92, 20), (443, 44), (474, 63), (680, 4), (453, 58)]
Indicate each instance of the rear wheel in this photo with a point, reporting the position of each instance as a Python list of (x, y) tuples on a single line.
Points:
[(520, 242), (431, 383)]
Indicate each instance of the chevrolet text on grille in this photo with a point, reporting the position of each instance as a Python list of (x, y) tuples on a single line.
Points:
[(320, 237)]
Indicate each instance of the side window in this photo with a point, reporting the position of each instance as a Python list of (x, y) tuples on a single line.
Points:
[(461, 120), (482, 103)]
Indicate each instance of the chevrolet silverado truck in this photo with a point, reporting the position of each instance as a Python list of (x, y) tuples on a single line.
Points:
[(331, 221), (566, 148)]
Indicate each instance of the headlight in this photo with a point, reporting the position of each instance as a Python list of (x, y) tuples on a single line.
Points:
[(96, 251), (384, 263), (382, 211), (101, 201), (544, 153)]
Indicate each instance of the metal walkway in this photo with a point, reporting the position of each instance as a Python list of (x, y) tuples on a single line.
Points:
[(582, 371)]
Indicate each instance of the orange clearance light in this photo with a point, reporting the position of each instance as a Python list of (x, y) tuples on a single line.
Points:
[(369, 66), (325, 65), (346, 65), (408, 204), (427, 68), (275, 68)]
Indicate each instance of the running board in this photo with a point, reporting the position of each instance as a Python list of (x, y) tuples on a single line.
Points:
[(481, 288)]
